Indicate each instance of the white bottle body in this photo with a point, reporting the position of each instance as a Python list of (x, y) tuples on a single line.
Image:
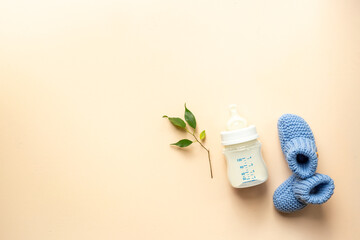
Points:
[(245, 164)]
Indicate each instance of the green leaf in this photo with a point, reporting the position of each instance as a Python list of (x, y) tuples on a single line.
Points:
[(183, 143), (190, 118), (178, 122), (202, 135)]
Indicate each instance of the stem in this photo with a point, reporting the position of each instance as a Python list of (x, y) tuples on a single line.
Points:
[(208, 151), (211, 173)]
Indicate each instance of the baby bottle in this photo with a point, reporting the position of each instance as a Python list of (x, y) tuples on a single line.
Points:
[(245, 165)]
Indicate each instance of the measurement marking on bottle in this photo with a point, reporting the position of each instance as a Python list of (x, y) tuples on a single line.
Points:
[(246, 169)]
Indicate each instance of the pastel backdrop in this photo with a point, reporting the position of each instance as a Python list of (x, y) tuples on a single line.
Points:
[(84, 152)]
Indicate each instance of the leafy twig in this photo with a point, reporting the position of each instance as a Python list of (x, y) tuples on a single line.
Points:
[(190, 119)]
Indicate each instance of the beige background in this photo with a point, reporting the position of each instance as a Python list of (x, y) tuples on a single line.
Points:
[(84, 151)]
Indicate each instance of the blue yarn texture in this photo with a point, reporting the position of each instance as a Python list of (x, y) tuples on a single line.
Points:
[(298, 144), (284, 198), (304, 186), (295, 193), (314, 190)]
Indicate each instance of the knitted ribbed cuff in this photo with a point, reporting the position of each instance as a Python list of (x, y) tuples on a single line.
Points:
[(315, 190), (301, 156)]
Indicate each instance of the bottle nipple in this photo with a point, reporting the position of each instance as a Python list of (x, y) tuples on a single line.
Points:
[(235, 121)]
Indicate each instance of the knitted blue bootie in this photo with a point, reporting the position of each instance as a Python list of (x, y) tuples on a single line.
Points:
[(295, 193), (298, 144)]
